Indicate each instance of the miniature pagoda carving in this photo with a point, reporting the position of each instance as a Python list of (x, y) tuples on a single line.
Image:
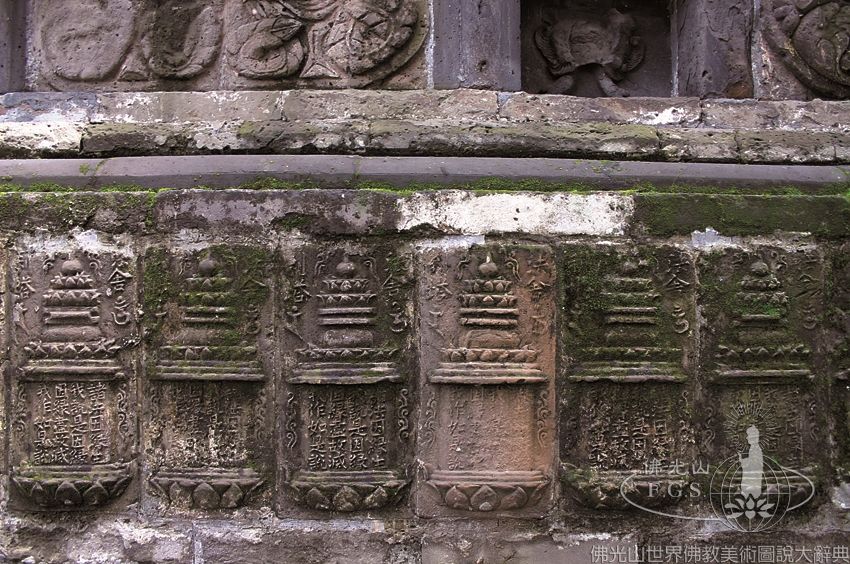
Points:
[(72, 430)]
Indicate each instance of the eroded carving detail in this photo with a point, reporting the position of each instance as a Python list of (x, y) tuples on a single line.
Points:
[(486, 427), (770, 307), (351, 43), (609, 44), (207, 425), (812, 37), (73, 443), (347, 319), (629, 315)]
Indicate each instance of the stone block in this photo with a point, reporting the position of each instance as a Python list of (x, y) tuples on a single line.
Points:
[(208, 411), (631, 110), (12, 45), (486, 419), (714, 41), (630, 323), (476, 45), (697, 144), (348, 391), (73, 406), (760, 361)]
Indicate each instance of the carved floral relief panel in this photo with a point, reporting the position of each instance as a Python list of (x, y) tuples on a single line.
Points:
[(811, 39), (208, 366), (487, 370), (763, 314), (73, 426), (347, 396), (223, 44), (627, 398)]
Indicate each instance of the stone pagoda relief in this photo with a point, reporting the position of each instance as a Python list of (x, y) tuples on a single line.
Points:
[(763, 310), (486, 431), (593, 49), (347, 396), (73, 427), (207, 393), (811, 39), (222, 44), (629, 333)]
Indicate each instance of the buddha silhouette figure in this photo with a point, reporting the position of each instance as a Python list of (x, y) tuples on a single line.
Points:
[(752, 466)]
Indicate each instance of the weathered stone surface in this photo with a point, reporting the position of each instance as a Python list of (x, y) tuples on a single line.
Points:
[(73, 431), (788, 146), (461, 105), (485, 426), (476, 45), (773, 79), (669, 214), (596, 50), (798, 32), (123, 45), (127, 540), (644, 111), (630, 322), (12, 45), (48, 138), (302, 355), (714, 43), (208, 408), (349, 388), (763, 308), (692, 144), (315, 543)]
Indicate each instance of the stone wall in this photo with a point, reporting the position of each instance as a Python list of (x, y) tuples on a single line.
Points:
[(771, 49), (369, 369), (424, 281)]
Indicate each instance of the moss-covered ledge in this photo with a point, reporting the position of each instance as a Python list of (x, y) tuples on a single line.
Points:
[(543, 198), (423, 122)]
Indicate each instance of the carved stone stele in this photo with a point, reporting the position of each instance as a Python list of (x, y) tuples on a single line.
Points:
[(73, 423), (487, 365), (207, 399), (812, 37), (763, 311), (626, 401), (347, 396)]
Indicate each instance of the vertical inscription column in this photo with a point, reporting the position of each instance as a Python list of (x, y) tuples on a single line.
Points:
[(347, 396), (487, 324), (839, 345), (763, 309), (73, 428), (208, 356), (625, 418)]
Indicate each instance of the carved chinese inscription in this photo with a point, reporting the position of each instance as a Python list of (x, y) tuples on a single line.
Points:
[(347, 429), (811, 39), (215, 44), (764, 310), (487, 313), (73, 425), (207, 395), (629, 335)]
